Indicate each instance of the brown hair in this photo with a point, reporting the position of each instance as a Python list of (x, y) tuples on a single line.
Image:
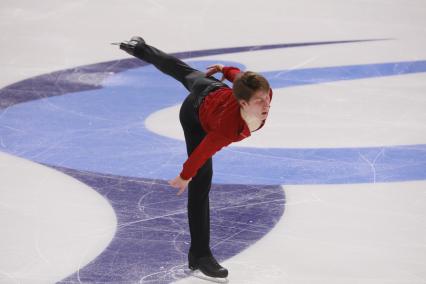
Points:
[(247, 83)]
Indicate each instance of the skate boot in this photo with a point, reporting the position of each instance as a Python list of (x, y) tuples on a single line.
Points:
[(208, 266), (129, 46)]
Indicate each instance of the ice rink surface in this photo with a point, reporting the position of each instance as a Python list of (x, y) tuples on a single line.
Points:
[(331, 190)]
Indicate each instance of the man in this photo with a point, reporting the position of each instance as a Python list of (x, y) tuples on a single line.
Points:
[(212, 117)]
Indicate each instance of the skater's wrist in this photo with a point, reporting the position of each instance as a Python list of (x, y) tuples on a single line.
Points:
[(184, 177)]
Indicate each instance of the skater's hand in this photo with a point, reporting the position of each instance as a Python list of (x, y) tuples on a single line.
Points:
[(213, 69), (180, 183)]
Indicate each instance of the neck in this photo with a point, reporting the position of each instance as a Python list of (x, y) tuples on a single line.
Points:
[(246, 116)]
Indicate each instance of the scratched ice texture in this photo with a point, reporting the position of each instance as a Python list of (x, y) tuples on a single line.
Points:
[(152, 238)]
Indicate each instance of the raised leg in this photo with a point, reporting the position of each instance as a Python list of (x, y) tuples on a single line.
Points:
[(194, 80)]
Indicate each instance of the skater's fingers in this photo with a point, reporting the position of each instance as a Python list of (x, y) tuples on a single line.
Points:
[(179, 183), (210, 72), (216, 67), (181, 190), (176, 185), (172, 184)]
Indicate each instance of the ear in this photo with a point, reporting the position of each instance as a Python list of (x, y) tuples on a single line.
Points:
[(242, 103)]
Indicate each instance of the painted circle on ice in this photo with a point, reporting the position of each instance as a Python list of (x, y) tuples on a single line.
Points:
[(89, 122), (97, 124)]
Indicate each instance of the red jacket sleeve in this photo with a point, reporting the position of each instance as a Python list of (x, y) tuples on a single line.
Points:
[(230, 72), (212, 143)]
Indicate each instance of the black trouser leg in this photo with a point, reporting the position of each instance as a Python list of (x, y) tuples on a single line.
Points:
[(194, 80), (199, 210), (199, 187), (168, 64)]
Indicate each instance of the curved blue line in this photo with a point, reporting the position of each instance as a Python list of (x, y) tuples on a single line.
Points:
[(288, 78), (58, 83), (117, 142), (84, 116)]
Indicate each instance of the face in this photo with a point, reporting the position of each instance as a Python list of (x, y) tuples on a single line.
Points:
[(258, 105)]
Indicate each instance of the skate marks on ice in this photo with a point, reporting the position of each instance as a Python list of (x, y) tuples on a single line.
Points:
[(150, 223), (93, 136), (90, 77), (152, 237), (247, 269)]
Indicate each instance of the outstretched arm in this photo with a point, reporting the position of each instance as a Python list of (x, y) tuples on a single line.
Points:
[(212, 143)]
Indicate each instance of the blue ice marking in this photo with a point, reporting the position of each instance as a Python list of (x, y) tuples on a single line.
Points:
[(103, 131)]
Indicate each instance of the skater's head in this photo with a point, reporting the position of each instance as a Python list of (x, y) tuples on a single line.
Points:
[(252, 92)]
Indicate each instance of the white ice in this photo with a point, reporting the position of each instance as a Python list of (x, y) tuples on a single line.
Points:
[(355, 233)]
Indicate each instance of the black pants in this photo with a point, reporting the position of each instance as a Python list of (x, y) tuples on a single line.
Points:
[(199, 187)]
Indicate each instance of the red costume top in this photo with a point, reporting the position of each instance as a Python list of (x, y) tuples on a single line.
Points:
[(221, 119)]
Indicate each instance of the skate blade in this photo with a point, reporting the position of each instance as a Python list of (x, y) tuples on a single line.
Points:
[(198, 274), (115, 43)]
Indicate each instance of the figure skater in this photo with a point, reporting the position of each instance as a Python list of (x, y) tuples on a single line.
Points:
[(212, 116)]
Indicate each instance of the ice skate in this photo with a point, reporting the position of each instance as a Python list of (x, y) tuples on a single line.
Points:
[(200, 275), (207, 268), (129, 46)]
